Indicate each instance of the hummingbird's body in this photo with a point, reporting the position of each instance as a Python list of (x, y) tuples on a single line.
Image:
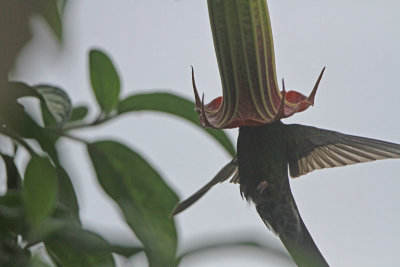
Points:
[(262, 158), (263, 178), (265, 156)]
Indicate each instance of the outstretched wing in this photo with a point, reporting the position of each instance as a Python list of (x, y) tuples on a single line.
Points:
[(230, 170), (311, 149)]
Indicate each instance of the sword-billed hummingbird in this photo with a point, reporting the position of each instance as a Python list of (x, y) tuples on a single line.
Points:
[(267, 149)]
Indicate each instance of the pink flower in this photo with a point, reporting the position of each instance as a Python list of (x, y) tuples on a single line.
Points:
[(243, 108), (244, 47)]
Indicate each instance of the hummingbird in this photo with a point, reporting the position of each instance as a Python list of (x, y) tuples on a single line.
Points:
[(265, 156), (268, 151)]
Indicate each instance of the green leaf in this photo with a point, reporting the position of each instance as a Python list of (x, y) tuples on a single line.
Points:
[(48, 119), (19, 122), (47, 140), (144, 198), (78, 113), (16, 26), (46, 228), (126, 251), (61, 220), (15, 90), (50, 11), (65, 256), (268, 249), (11, 252), (14, 180), (104, 79), (57, 102), (37, 261), (61, 5), (86, 241), (12, 215), (175, 105), (39, 189), (80, 241), (67, 196), (76, 247)]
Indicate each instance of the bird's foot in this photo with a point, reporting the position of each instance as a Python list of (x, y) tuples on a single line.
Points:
[(262, 186)]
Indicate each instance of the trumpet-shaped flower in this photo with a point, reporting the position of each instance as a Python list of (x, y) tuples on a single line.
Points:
[(245, 53)]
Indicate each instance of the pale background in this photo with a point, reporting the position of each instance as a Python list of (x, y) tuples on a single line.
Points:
[(351, 212)]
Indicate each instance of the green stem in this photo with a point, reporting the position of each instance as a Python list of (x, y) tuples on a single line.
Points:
[(73, 137), (18, 140), (98, 121)]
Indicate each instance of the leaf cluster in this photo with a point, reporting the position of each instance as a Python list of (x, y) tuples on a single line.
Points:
[(39, 207)]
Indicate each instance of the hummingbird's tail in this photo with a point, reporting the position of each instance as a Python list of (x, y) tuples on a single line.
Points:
[(283, 218)]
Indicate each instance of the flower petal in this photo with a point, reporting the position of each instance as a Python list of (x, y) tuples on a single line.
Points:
[(245, 53)]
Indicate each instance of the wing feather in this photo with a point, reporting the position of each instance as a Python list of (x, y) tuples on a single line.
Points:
[(311, 149), (310, 161), (317, 160)]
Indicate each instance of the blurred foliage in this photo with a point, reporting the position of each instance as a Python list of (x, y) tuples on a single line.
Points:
[(40, 204), (174, 105), (105, 80)]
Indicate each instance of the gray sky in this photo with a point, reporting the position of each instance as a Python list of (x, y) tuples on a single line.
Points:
[(352, 212)]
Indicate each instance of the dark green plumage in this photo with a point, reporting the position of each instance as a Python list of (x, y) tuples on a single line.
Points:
[(265, 155), (263, 177)]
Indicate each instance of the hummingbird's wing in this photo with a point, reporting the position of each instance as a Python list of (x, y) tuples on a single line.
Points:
[(230, 170), (311, 149)]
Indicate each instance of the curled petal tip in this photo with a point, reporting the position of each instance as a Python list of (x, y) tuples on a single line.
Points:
[(196, 93), (205, 122), (310, 98), (281, 110)]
